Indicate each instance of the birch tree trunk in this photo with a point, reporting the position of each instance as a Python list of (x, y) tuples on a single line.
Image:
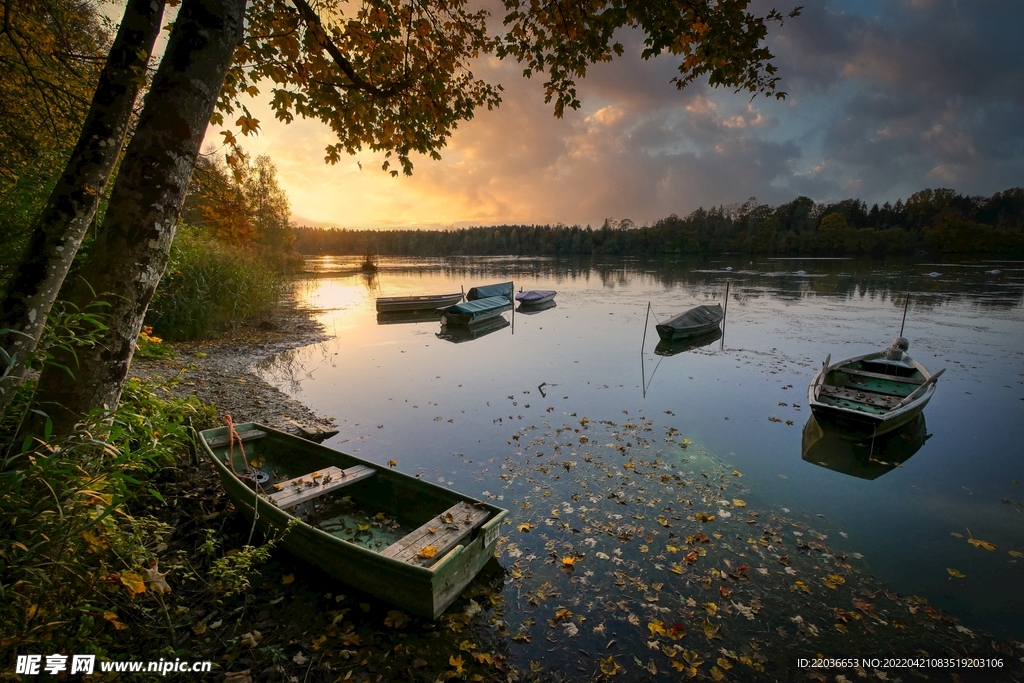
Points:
[(59, 229), (133, 244)]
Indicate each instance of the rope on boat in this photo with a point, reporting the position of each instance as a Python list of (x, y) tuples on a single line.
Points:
[(233, 435)]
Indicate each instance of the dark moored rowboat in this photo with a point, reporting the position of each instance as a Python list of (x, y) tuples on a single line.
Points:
[(484, 291), (696, 321), (871, 394), (424, 302), (535, 297), (369, 526), (472, 312)]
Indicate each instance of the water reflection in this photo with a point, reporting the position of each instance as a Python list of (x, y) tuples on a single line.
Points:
[(865, 459), (672, 348), (463, 333), (407, 317), (535, 308)]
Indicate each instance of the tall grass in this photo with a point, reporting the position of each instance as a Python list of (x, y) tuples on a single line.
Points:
[(209, 286)]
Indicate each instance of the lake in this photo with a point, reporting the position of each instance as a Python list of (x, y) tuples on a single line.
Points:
[(490, 415)]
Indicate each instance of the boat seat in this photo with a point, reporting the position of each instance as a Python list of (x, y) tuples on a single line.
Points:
[(879, 375), (443, 532), (315, 484)]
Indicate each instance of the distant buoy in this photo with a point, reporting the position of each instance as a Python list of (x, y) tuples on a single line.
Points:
[(728, 267), (933, 274), (800, 272), (994, 271)]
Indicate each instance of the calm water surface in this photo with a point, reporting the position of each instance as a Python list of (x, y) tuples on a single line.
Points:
[(448, 409)]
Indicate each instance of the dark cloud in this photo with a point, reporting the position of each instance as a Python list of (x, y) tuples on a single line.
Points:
[(884, 99)]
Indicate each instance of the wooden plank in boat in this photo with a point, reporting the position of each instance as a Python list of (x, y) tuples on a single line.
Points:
[(879, 375), (854, 395), (247, 435), (308, 486), (450, 528)]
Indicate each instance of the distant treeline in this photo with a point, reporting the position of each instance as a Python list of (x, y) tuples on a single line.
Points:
[(931, 220)]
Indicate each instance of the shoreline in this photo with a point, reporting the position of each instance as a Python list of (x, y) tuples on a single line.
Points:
[(220, 372)]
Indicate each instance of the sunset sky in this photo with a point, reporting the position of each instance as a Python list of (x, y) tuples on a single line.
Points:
[(885, 98)]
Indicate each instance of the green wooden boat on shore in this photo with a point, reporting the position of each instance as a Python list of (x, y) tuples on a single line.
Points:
[(402, 539)]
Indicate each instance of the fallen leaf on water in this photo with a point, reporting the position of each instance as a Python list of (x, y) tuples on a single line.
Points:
[(392, 463), (956, 533), (739, 503), (609, 667), (525, 526), (955, 574), (1016, 553), (981, 544), (457, 662), (833, 581), (568, 561)]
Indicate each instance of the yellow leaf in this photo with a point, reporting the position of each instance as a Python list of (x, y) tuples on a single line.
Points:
[(457, 662), (657, 628), (467, 646), (484, 658), (716, 673), (739, 503), (833, 581), (736, 473), (609, 667), (525, 526), (711, 608), (1016, 553), (981, 544), (675, 568), (363, 527), (664, 522), (802, 586), (955, 574), (428, 552), (112, 618), (724, 663), (287, 578), (568, 561), (392, 463), (133, 583)]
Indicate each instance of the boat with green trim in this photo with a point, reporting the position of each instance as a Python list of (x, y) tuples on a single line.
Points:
[(871, 394), (476, 311), (407, 541)]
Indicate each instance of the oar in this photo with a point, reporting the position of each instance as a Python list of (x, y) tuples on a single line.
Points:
[(914, 394), (827, 359)]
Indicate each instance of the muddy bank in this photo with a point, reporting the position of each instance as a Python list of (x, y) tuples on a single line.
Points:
[(219, 371)]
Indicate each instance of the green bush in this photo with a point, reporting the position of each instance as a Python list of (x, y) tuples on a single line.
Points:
[(73, 556), (209, 286)]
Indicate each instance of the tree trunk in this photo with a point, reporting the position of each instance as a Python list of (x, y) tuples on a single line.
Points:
[(59, 229), (134, 242)]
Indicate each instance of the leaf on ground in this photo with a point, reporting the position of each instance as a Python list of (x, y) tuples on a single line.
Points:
[(133, 583), (428, 552), (287, 578), (156, 581)]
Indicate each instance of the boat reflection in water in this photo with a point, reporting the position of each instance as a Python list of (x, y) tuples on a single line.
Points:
[(530, 309), (462, 333), (864, 458), (399, 318), (671, 348)]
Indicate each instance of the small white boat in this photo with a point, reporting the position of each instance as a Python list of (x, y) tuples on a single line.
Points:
[(535, 297), (423, 302)]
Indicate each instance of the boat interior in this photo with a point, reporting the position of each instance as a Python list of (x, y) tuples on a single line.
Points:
[(871, 385), (369, 507)]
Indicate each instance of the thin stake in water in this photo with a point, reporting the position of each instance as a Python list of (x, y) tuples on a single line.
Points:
[(905, 305)]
